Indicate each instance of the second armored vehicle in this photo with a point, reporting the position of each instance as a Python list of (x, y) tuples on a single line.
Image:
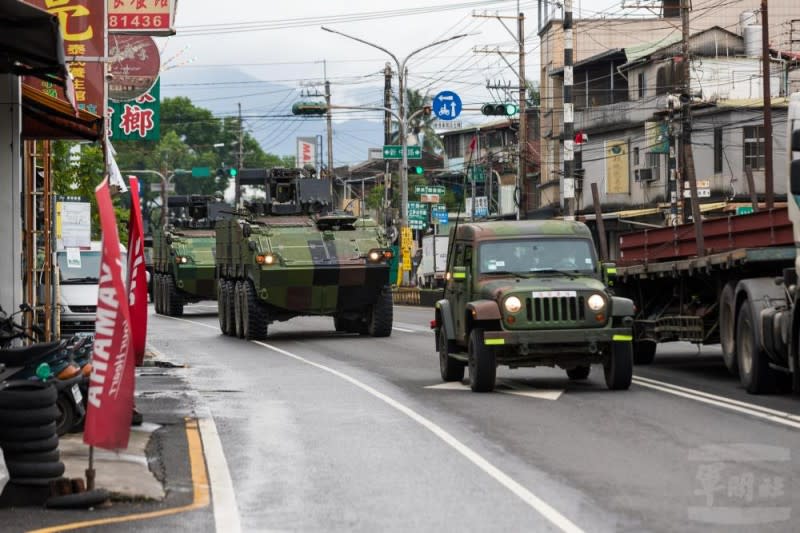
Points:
[(288, 255), (183, 253)]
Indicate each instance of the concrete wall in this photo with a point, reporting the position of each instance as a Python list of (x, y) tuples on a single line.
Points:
[(10, 191)]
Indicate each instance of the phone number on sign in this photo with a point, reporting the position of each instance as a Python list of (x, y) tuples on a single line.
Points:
[(127, 22)]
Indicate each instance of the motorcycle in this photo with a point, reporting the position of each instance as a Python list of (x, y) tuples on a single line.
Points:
[(51, 362)]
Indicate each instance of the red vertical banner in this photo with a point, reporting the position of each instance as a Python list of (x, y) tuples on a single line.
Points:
[(137, 275), (110, 398)]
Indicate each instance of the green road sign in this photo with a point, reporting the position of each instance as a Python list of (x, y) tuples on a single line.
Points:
[(417, 215), (744, 210), (395, 151), (201, 172), (429, 189), (476, 174)]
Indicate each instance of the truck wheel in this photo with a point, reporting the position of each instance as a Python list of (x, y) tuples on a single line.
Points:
[(644, 352), (618, 368), (222, 307), (230, 308), (450, 369), (237, 307), (482, 365), (727, 329), (174, 299), (339, 324), (381, 315), (754, 371), (254, 316), (579, 372)]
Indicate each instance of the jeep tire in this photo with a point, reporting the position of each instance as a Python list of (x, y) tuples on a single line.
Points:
[(482, 365), (450, 369), (618, 367)]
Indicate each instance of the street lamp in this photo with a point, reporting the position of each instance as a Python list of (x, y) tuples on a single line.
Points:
[(165, 181), (401, 67)]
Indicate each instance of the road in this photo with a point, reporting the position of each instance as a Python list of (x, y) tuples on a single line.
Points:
[(329, 432)]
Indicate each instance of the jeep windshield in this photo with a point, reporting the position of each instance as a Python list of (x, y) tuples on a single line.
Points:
[(545, 255)]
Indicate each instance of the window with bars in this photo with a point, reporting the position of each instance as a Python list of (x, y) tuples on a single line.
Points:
[(754, 147), (641, 82)]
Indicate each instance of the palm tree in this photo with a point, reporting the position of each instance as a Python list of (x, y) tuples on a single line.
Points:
[(420, 124)]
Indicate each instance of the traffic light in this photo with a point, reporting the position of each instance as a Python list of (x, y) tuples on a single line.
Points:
[(309, 108), (505, 110), (416, 170), (232, 172)]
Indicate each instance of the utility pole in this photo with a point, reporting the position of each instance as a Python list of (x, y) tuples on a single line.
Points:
[(329, 120), (239, 159), (769, 194), (688, 154), (387, 135), (568, 181), (522, 134)]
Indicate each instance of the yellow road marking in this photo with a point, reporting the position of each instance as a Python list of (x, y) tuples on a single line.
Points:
[(201, 492)]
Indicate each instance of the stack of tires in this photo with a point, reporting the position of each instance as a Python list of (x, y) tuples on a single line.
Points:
[(29, 441)]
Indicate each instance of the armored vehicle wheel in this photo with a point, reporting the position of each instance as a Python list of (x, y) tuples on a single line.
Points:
[(237, 299), (618, 368), (230, 307), (222, 307), (254, 316), (381, 315), (644, 352), (579, 372), (754, 371), (450, 369), (174, 300), (482, 365)]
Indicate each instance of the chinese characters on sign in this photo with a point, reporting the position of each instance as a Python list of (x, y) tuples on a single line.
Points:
[(151, 17), (82, 23), (136, 120), (417, 215)]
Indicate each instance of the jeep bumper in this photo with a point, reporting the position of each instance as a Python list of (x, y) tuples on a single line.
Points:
[(557, 337)]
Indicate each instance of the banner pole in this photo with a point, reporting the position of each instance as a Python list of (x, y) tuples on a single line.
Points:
[(90, 471)]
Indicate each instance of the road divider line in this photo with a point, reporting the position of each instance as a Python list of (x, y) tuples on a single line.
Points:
[(778, 417), (200, 490), (546, 510), (226, 512)]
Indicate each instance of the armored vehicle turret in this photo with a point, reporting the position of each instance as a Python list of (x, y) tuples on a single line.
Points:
[(290, 255), (183, 252)]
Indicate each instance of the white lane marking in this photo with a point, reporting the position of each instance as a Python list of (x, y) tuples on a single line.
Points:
[(226, 512), (515, 390), (543, 508), (779, 417), (404, 330)]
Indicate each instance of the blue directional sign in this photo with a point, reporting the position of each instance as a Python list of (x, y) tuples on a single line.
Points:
[(446, 105)]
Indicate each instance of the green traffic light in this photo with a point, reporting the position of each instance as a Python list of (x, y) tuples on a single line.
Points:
[(309, 108), (232, 172), (416, 170), (511, 109)]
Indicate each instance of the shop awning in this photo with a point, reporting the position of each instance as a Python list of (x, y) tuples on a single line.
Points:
[(45, 117), (30, 42)]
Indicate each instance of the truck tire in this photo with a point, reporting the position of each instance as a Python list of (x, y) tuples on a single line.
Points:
[(482, 365), (339, 324), (157, 294), (579, 372), (68, 416), (237, 307), (254, 316), (27, 394), (450, 369), (222, 307), (230, 305), (727, 328), (174, 299), (754, 371), (644, 352), (618, 368), (381, 315)]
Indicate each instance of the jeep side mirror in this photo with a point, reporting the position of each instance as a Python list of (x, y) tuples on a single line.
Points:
[(459, 273), (609, 274)]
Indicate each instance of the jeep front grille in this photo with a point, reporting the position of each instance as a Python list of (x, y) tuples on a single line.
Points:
[(556, 310)]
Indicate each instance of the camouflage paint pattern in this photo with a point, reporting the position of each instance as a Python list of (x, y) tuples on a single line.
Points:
[(316, 271), (195, 279)]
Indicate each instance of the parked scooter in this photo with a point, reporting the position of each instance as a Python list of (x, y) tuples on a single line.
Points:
[(46, 362)]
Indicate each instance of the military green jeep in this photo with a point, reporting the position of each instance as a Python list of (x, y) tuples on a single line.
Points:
[(530, 293)]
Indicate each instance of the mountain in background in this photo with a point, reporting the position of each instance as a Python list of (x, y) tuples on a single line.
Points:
[(267, 114)]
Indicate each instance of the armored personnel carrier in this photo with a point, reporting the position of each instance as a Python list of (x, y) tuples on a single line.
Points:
[(290, 255), (183, 252)]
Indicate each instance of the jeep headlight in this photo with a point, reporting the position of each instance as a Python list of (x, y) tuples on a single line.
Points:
[(513, 304), (596, 302)]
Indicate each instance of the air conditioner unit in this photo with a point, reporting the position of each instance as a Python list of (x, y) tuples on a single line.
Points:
[(646, 174)]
